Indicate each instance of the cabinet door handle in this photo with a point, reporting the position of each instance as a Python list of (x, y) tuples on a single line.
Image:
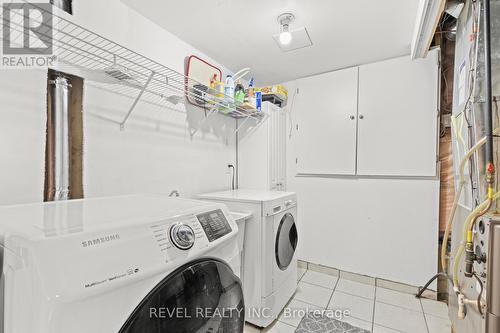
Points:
[(352, 117), (361, 116)]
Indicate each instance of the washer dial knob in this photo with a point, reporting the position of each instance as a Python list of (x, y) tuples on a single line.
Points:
[(182, 236)]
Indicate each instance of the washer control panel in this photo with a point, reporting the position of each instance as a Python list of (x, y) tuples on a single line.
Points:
[(190, 231), (182, 236), (184, 233), (215, 224)]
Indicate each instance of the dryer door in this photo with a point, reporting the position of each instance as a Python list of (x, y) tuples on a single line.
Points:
[(202, 296), (286, 241)]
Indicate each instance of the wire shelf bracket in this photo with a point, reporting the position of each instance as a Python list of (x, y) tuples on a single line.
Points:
[(241, 125), (212, 111), (137, 99), (259, 122)]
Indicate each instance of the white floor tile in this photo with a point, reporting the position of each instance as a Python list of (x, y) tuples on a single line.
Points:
[(435, 308), (300, 273), (313, 294), (356, 288), (359, 307), (279, 327), (358, 323), (382, 329), (438, 325), (251, 329), (320, 279), (397, 298), (399, 318), (295, 311)]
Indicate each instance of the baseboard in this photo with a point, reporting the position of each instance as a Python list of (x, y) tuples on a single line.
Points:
[(365, 279)]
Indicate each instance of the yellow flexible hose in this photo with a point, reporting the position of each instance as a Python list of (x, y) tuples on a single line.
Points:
[(475, 213), (461, 182), (449, 223)]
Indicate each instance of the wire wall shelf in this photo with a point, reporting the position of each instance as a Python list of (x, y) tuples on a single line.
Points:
[(119, 69)]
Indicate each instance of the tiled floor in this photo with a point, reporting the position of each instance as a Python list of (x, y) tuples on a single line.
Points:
[(373, 308)]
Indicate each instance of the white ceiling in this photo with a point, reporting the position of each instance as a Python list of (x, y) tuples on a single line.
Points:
[(238, 33)]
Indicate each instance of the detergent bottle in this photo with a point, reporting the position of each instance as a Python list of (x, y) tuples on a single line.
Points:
[(229, 89)]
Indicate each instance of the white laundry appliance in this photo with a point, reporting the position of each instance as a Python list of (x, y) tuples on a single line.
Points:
[(131, 264), (240, 218), (270, 260)]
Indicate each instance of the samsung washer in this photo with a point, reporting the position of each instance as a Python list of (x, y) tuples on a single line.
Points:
[(133, 264)]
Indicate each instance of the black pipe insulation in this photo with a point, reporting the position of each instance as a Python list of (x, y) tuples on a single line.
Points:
[(490, 170), (424, 288)]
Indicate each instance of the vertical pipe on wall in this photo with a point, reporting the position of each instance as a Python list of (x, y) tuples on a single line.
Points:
[(237, 175), (58, 145), (66, 5), (489, 100)]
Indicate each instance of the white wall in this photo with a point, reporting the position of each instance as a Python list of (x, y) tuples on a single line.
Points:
[(154, 154), (380, 227), (22, 135)]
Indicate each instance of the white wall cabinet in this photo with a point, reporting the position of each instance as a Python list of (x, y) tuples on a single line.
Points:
[(326, 107), (262, 153), (398, 117), (373, 120)]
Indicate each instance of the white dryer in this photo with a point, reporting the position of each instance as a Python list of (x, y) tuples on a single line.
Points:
[(270, 260), (132, 264)]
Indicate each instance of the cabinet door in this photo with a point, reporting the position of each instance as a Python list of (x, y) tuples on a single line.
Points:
[(254, 167), (326, 110), (262, 152), (273, 148), (398, 117), (281, 150), (277, 148)]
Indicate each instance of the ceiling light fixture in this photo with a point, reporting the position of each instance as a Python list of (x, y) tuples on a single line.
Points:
[(284, 20)]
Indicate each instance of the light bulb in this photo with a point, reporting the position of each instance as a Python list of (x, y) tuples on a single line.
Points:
[(285, 37)]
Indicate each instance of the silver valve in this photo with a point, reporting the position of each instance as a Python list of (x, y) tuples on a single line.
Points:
[(182, 236)]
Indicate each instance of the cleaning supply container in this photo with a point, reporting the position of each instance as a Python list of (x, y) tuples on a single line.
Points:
[(229, 89)]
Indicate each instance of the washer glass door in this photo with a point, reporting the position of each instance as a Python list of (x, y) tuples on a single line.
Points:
[(286, 241), (201, 296)]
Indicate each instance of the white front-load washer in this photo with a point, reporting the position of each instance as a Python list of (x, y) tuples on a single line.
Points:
[(270, 259), (131, 264)]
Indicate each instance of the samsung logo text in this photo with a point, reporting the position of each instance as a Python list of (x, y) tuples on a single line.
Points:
[(100, 240)]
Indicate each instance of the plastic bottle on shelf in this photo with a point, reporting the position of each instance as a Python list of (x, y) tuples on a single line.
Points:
[(213, 88), (219, 88), (250, 91), (239, 94), (249, 101), (258, 101), (229, 89)]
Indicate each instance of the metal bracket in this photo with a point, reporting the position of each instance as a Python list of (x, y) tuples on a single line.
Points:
[(132, 107), (478, 99), (257, 125), (212, 111), (239, 127)]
